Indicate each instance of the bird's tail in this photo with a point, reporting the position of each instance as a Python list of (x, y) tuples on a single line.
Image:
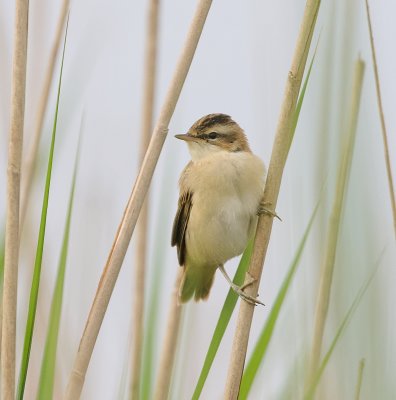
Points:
[(197, 282)]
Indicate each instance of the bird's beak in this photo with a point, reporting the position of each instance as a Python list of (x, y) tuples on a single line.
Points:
[(187, 137)]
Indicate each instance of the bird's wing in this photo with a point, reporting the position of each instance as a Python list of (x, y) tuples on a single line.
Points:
[(180, 225)]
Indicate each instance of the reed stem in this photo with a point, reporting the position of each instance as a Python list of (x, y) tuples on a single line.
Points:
[(142, 225), (168, 353), (13, 200), (360, 378), (382, 119), (134, 205), (280, 150), (326, 277), (29, 164)]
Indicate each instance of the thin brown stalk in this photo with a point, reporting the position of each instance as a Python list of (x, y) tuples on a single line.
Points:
[(280, 150), (382, 119), (168, 352), (142, 226), (13, 198), (29, 165), (134, 205), (360, 379), (327, 270)]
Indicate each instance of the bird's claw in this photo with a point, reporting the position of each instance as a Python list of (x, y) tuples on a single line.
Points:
[(249, 299), (239, 289), (263, 208)]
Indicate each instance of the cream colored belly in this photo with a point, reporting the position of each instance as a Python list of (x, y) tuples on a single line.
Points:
[(227, 189), (216, 233)]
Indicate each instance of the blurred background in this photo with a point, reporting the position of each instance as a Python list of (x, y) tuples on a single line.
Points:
[(240, 69)]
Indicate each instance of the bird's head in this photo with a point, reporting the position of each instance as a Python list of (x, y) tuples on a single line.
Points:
[(214, 133)]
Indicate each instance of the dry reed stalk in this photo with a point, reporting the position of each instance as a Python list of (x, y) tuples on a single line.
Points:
[(360, 378), (142, 225), (134, 205), (280, 150), (327, 270), (13, 199), (168, 353), (382, 119), (29, 165)]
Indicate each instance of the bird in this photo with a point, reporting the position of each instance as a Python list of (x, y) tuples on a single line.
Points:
[(220, 199)]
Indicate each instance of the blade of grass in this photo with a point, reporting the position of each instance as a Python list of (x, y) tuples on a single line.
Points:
[(302, 94), (134, 205), (46, 383), (382, 119), (39, 252), (29, 166), (280, 151), (222, 323), (266, 334), (12, 232), (309, 394), (360, 378), (323, 297), (231, 299)]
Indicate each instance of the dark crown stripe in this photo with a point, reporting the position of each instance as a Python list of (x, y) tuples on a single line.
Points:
[(214, 119)]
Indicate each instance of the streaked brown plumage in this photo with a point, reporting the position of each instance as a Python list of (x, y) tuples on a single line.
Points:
[(220, 192)]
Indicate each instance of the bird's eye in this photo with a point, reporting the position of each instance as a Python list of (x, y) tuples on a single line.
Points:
[(212, 135)]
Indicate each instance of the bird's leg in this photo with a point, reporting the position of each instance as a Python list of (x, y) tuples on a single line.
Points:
[(239, 290), (264, 208)]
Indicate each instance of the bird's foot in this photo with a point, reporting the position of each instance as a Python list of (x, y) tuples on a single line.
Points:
[(264, 208), (244, 296), (239, 289)]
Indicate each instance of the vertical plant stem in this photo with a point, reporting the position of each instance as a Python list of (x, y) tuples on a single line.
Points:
[(280, 150), (261, 346), (134, 205), (309, 393), (29, 165), (34, 291), (156, 288), (48, 364), (360, 378), (382, 119), (13, 199), (1, 285), (326, 277), (142, 226), (168, 353)]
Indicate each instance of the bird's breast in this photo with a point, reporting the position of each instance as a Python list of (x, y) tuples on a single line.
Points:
[(226, 193)]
